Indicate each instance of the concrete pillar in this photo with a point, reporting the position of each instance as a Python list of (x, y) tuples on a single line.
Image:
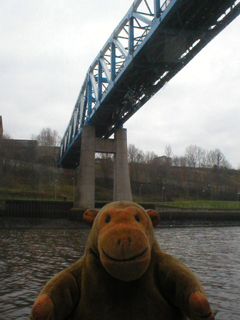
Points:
[(85, 189), (121, 187)]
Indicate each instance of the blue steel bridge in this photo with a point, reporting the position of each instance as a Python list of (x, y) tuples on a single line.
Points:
[(150, 45)]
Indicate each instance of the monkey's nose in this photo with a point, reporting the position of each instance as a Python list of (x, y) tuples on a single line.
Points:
[(124, 243)]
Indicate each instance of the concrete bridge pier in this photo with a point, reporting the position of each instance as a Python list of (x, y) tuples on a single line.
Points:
[(121, 183), (85, 188)]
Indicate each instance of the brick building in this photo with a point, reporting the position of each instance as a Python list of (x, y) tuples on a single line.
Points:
[(27, 151)]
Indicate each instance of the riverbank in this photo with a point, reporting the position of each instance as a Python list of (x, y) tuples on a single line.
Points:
[(61, 215), (32, 223)]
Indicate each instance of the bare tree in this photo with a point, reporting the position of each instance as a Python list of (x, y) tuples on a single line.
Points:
[(220, 158), (149, 157), (105, 164), (191, 156), (195, 156), (200, 154), (217, 158), (204, 159), (135, 157), (183, 161), (168, 151), (132, 153), (176, 161), (48, 137)]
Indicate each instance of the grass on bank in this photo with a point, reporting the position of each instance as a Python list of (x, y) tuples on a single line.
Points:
[(28, 195), (203, 204)]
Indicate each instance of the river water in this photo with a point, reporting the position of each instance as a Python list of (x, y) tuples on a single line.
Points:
[(30, 257)]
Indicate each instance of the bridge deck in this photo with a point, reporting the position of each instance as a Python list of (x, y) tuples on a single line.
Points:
[(124, 77)]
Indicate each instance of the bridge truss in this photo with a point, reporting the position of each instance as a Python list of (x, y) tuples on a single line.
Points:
[(150, 45)]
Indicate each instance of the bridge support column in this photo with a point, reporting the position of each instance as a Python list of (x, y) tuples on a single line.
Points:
[(121, 187), (85, 188)]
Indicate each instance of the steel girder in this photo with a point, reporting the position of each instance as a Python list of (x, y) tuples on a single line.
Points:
[(153, 42)]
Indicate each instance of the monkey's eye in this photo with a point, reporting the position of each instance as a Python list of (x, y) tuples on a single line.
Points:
[(108, 219), (137, 218)]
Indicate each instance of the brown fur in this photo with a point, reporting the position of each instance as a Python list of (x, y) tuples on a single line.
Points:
[(123, 275)]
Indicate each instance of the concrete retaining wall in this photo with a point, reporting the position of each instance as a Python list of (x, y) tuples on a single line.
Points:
[(64, 210), (200, 215), (38, 209)]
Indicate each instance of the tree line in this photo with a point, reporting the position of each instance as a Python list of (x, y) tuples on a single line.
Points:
[(202, 174), (194, 157), (197, 174), (46, 137), (197, 157)]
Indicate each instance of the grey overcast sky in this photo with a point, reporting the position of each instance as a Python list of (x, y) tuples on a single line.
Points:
[(47, 47)]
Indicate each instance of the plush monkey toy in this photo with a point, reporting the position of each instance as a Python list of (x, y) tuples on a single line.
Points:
[(123, 275)]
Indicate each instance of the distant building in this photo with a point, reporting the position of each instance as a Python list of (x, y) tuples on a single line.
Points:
[(163, 161), (20, 150), (48, 155), (27, 151)]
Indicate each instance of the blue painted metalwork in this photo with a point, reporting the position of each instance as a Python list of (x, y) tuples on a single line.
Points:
[(152, 43)]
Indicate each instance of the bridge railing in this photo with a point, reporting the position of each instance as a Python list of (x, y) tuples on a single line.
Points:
[(115, 54)]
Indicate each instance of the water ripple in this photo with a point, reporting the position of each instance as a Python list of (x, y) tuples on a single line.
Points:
[(30, 257)]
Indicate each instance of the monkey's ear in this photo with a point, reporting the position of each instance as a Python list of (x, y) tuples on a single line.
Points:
[(154, 216), (89, 216)]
